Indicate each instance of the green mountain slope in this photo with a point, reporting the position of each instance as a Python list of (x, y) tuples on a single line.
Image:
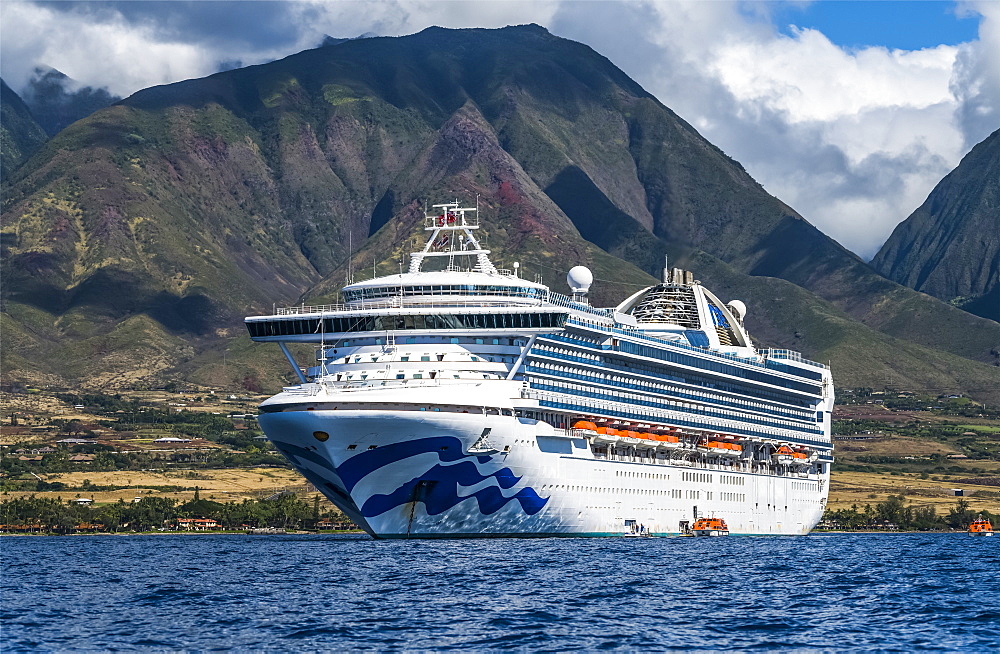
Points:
[(950, 246), (20, 133), (161, 221)]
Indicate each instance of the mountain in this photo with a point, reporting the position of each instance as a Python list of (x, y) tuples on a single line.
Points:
[(136, 241), (56, 102), (950, 246), (20, 134)]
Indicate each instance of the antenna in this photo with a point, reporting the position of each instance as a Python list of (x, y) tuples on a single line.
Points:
[(322, 342)]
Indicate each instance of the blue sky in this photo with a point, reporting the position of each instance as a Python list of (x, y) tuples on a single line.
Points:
[(898, 24)]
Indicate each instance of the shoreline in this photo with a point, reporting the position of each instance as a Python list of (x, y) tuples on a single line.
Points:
[(350, 532), (232, 532)]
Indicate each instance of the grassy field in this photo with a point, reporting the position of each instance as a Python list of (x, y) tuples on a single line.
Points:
[(860, 488), (220, 485), (921, 455)]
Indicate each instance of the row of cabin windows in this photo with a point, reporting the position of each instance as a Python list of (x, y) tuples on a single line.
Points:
[(701, 343), (381, 292), (719, 367), (605, 379), (576, 405), (644, 401), (290, 327), (635, 366)]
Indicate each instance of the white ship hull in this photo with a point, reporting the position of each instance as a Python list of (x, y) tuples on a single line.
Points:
[(420, 480), (471, 402)]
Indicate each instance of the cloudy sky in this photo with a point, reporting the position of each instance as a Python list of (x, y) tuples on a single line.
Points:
[(850, 112)]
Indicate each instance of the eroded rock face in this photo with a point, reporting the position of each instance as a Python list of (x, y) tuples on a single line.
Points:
[(144, 229), (950, 246)]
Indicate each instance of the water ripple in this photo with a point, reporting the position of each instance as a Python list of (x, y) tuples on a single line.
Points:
[(830, 592)]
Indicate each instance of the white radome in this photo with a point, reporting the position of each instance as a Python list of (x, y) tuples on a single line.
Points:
[(579, 279), (738, 308)]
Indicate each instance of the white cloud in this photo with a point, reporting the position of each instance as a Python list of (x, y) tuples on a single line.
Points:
[(108, 53), (976, 80), (853, 139)]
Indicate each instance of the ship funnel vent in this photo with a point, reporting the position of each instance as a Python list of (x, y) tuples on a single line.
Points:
[(678, 276)]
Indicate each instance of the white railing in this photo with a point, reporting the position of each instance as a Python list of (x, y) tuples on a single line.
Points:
[(407, 303), (792, 355), (443, 302)]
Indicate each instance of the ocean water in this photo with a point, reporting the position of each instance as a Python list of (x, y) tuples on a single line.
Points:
[(203, 592)]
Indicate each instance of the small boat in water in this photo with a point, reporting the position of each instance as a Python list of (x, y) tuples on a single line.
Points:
[(710, 527), (981, 527)]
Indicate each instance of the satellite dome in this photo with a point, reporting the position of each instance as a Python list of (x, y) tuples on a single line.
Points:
[(579, 279), (738, 308)]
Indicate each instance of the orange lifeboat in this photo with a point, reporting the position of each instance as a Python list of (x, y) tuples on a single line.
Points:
[(606, 435), (720, 447), (710, 527), (981, 527), (649, 439), (628, 436), (784, 455), (585, 425)]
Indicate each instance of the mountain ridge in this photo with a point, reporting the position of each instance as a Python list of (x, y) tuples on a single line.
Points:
[(20, 134), (949, 247), (215, 197)]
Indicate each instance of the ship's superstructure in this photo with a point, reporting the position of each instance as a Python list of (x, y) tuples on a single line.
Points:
[(468, 401)]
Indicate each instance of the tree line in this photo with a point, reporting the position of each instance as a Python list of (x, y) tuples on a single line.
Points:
[(895, 513), (152, 513)]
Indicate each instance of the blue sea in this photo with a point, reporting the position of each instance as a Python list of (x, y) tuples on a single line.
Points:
[(279, 593)]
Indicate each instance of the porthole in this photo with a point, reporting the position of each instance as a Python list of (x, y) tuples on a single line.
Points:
[(321, 436)]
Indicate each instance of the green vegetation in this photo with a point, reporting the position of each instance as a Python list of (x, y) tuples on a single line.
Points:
[(52, 515), (124, 420), (894, 514), (20, 133), (142, 235)]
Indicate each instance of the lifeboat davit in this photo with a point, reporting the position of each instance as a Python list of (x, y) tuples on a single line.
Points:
[(667, 441), (629, 437), (721, 447), (606, 435), (784, 456)]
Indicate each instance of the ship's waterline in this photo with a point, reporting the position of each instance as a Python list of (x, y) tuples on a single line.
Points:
[(470, 402)]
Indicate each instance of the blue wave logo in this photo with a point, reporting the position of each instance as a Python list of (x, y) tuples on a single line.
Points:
[(437, 488)]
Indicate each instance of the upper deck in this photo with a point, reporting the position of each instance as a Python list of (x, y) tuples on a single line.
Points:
[(678, 315)]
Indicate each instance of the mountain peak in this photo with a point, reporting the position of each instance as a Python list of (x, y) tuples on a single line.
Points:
[(950, 246), (167, 217)]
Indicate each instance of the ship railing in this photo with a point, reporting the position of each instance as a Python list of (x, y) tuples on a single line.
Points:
[(561, 300), (578, 403), (704, 465), (397, 303), (459, 302), (750, 361), (792, 355), (454, 218), (308, 390)]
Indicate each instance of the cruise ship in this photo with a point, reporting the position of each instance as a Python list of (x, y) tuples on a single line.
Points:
[(456, 399)]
